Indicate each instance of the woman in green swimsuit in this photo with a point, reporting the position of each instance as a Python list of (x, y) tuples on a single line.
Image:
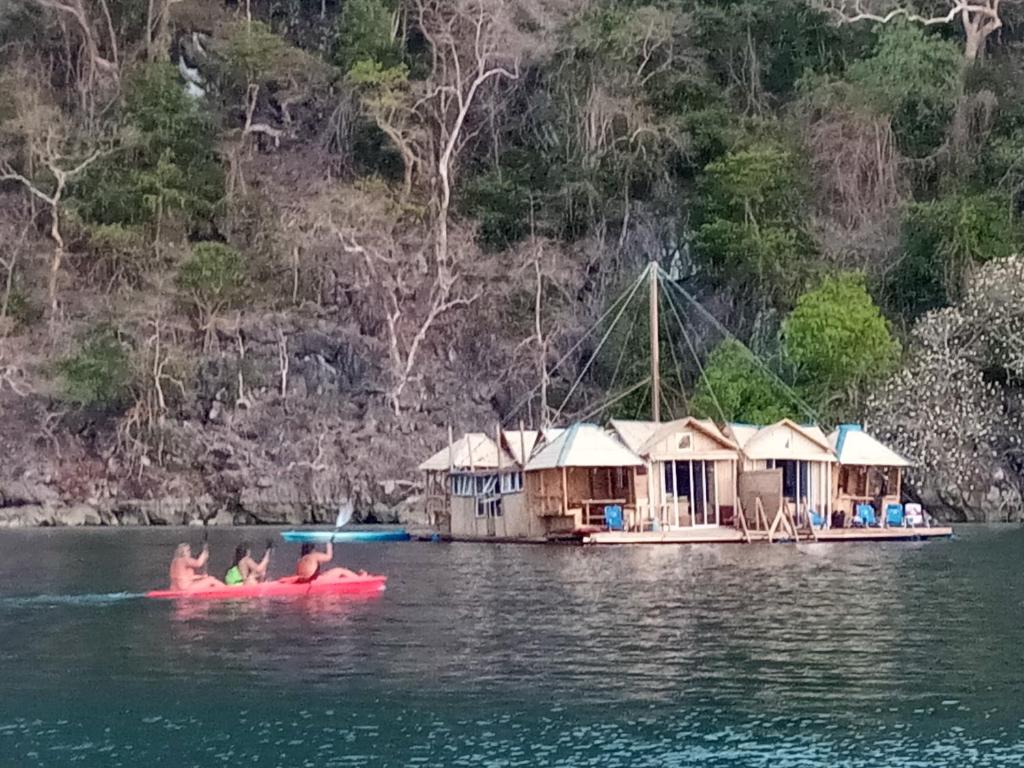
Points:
[(245, 570)]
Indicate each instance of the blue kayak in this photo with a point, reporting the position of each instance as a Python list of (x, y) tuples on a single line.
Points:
[(399, 534)]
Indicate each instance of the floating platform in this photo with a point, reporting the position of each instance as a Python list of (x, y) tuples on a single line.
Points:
[(725, 535)]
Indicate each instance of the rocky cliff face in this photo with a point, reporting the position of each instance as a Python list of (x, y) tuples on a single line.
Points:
[(286, 427)]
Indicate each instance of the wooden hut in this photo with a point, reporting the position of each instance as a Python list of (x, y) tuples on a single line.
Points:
[(691, 470), (869, 471), (471, 483), (802, 455), (571, 478)]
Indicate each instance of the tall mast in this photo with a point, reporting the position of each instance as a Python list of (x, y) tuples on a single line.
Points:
[(655, 363)]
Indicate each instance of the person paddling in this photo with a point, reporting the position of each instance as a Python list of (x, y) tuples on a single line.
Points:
[(308, 567), (245, 570), (183, 570)]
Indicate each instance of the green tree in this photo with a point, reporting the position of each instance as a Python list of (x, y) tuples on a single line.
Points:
[(100, 373), (212, 279), (365, 33), (914, 77), (838, 341), (753, 236), (734, 387), (168, 159), (941, 240)]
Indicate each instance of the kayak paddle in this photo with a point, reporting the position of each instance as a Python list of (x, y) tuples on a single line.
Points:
[(206, 543), (268, 552)]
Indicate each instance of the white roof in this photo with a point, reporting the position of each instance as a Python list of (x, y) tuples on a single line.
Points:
[(741, 433), (787, 440), (634, 434), (855, 446), (583, 445), (473, 450), (638, 436), (520, 443)]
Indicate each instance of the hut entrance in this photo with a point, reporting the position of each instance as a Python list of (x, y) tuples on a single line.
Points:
[(689, 492)]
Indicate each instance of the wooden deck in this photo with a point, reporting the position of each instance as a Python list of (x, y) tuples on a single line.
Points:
[(723, 535)]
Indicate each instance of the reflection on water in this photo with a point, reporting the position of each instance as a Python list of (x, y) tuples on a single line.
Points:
[(846, 655)]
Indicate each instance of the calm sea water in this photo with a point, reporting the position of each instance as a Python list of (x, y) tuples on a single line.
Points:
[(808, 655)]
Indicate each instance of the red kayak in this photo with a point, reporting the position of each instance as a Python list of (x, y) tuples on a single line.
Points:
[(332, 582)]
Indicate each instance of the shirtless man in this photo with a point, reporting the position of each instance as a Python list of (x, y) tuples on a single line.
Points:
[(308, 567), (183, 570)]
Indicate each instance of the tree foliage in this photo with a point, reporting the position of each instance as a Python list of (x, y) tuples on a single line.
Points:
[(913, 77), (735, 387), (943, 240), (838, 341), (167, 160), (949, 409), (753, 224), (99, 373)]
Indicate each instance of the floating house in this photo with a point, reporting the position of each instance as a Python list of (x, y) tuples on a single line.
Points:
[(471, 484), (681, 481), (691, 471), (869, 472), (572, 478), (801, 453), (676, 482)]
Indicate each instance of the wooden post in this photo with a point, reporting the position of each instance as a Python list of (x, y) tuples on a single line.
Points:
[(675, 491), (450, 479), (828, 495), (497, 441), (565, 491), (692, 499), (735, 483), (655, 351), (501, 494), (652, 499), (451, 449), (704, 487), (797, 499), (522, 445), (714, 474)]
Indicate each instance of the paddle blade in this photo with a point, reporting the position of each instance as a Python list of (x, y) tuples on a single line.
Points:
[(344, 514)]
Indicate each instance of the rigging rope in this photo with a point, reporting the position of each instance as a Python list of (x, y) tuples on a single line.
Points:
[(696, 357), (596, 324), (613, 400), (797, 400), (600, 344)]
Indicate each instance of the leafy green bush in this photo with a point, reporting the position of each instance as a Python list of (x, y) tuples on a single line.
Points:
[(838, 340), (501, 206), (736, 388), (364, 33), (21, 309), (213, 278), (99, 373)]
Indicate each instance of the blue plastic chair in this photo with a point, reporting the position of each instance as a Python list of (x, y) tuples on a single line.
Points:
[(866, 515), (613, 517), (894, 515)]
